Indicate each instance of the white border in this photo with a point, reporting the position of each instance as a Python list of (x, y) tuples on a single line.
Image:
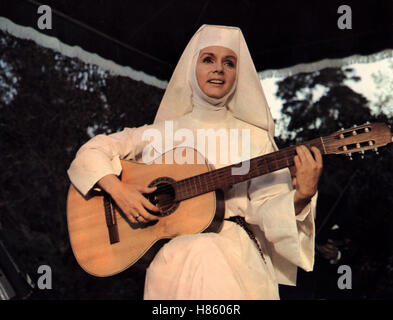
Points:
[(325, 63), (77, 52), (87, 57)]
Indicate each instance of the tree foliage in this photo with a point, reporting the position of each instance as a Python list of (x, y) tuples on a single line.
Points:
[(49, 106), (354, 194), (311, 112)]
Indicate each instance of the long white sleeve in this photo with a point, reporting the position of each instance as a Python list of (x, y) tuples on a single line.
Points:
[(101, 156), (290, 238)]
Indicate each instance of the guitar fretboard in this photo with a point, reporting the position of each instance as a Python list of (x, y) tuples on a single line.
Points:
[(224, 177)]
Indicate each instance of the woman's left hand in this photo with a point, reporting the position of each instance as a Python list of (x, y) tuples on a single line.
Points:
[(308, 169)]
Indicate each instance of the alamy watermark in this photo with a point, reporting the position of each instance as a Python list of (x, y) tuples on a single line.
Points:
[(44, 282), (45, 20), (345, 20), (234, 146), (344, 281)]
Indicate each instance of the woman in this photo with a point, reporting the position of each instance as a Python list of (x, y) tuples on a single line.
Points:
[(215, 86)]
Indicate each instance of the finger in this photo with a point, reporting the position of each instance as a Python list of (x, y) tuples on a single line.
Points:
[(292, 170), (307, 156), (303, 157), (147, 204), (298, 163), (294, 182), (297, 156), (141, 219), (146, 189), (144, 214), (299, 153), (317, 156), (131, 216), (138, 214)]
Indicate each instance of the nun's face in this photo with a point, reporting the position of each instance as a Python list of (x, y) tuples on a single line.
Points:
[(216, 70)]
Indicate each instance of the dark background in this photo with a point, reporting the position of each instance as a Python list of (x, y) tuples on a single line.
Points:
[(46, 121), (152, 34)]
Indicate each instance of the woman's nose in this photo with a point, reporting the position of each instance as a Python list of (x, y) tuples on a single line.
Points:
[(219, 68)]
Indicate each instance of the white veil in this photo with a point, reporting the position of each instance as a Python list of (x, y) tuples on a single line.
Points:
[(248, 103)]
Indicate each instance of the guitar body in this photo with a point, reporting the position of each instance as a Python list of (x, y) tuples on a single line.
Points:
[(88, 230)]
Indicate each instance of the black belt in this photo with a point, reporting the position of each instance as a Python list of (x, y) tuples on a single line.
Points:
[(242, 222)]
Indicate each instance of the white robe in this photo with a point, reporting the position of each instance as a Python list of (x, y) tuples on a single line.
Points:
[(224, 265)]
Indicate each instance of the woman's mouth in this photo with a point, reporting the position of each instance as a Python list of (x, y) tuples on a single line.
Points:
[(216, 82)]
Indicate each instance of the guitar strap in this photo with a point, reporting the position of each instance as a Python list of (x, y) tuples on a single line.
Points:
[(242, 222)]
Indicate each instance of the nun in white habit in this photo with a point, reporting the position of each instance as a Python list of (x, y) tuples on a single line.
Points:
[(228, 264)]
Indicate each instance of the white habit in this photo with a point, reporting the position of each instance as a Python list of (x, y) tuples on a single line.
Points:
[(224, 265)]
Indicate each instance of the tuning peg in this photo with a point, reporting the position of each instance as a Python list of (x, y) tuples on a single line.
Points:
[(362, 152), (376, 150), (349, 155)]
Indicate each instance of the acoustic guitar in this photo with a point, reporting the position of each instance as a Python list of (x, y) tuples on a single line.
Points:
[(190, 199)]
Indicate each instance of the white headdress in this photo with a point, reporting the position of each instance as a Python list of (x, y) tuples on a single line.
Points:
[(248, 102)]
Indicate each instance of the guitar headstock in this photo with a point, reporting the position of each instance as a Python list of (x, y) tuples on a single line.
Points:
[(369, 136)]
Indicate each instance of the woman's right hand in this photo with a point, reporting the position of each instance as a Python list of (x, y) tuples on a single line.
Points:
[(129, 198)]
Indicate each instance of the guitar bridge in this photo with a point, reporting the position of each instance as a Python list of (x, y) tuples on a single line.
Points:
[(110, 218)]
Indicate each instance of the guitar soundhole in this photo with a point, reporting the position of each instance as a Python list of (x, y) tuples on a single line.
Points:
[(163, 197)]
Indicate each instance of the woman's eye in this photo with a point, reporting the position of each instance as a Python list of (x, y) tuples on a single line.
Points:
[(207, 60), (230, 64)]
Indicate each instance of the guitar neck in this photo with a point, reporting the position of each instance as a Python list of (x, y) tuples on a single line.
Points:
[(224, 177)]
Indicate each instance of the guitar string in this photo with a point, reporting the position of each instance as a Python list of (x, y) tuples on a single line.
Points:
[(216, 174), (188, 186), (190, 190), (191, 186), (285, 154)]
